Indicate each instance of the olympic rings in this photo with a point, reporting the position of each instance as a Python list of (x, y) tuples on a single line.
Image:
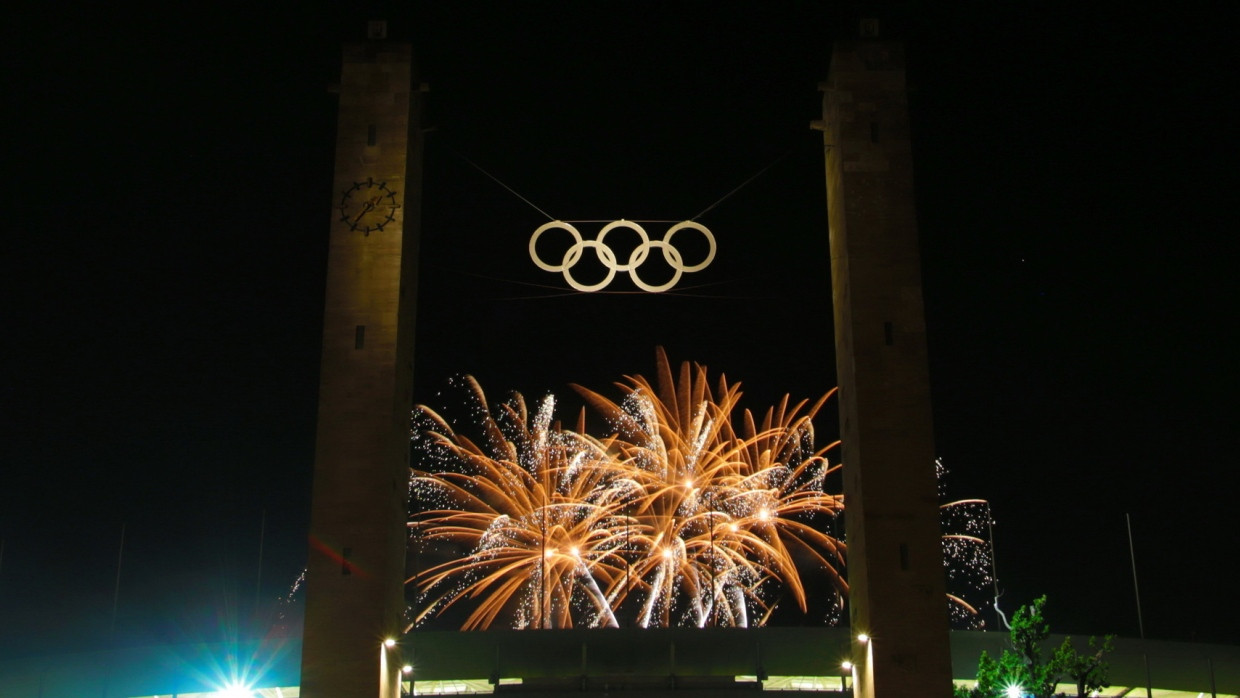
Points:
[(608, 256)]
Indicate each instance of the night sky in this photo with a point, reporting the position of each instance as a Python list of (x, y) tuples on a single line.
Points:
[(169, 197)]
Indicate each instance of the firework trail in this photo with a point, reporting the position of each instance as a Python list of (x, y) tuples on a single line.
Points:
[(535, 508), (729, 510), (678, 518), (968, 555)]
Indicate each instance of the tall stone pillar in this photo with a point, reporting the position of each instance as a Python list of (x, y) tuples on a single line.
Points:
[(895, 561), (356, 569)]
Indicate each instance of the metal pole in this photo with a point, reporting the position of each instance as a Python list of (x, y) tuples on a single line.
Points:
[(714, 591), (116, 589), (1132, 554), (1136, 588), (116, 596), (542, 573), (994, 572), (628, 553), (258, 586)]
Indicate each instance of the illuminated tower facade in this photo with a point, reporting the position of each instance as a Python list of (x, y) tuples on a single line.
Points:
[(895, 561), (356, 569)]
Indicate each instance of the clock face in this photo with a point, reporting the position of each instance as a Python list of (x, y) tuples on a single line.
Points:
[(368, 206)]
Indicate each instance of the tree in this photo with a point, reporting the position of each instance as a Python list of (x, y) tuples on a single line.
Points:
[(994, 676), (1029, 630), (1088, 671), (1025, 666)]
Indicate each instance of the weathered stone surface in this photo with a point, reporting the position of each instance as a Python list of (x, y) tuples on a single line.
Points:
[(356, 569), (895, 565)]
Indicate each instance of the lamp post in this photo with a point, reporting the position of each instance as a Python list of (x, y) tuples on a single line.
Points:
[(714, 591), (542, 571)]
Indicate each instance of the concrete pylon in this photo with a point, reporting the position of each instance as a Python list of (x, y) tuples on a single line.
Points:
[(895, 561), (356, 570)]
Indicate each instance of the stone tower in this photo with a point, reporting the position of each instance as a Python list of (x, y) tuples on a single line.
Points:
[(355, 573), (895, 561)]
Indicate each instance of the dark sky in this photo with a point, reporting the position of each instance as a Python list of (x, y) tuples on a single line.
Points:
[(169, 196)]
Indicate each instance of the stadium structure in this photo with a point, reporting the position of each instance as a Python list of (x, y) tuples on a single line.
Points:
[(655, 662), (897, 642)]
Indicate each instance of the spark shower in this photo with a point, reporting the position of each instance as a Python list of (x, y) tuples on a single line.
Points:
[(681, 516)]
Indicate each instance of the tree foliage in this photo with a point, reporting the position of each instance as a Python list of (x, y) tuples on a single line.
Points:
[(1089, 671), (1025, 665)]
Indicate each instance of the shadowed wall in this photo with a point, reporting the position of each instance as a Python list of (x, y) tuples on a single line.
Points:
[(356, 569), (895, 562)]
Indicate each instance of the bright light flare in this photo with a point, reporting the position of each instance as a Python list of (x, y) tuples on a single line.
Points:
[(235, 690)]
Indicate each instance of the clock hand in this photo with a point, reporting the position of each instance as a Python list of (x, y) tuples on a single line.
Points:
[(365, 209)]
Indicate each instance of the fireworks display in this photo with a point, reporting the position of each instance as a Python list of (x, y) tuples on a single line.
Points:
[(678, 518), (691, 512), (967, 555)]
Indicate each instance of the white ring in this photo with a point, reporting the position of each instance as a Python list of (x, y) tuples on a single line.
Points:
[(631, 226), (637, 257), (710, 240), (605, 255), (544, 228), (674, 260)]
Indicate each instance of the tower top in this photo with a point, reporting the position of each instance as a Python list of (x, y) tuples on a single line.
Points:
[(876, 19)]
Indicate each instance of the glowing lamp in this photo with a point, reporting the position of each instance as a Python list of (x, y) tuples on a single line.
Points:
[(236, 690), (1014, 691), (390, 642), (846, 665), (863, 638), (407, 669)]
